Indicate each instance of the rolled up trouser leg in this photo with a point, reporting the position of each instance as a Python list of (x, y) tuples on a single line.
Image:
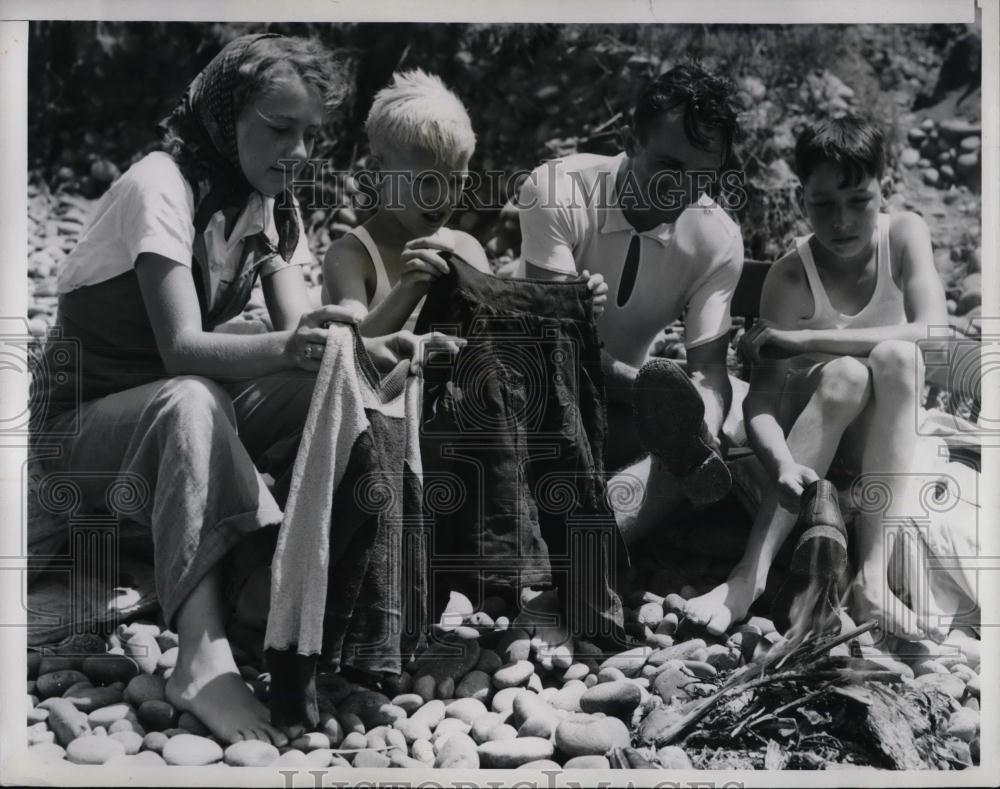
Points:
[(194, 485)]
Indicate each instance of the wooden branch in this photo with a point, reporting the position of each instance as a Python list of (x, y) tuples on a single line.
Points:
[(871, 624)]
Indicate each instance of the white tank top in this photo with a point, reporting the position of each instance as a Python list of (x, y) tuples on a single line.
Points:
[(886, 307), (382, 284)]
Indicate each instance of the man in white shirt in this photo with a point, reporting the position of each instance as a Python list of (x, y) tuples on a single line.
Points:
[(645, 221)]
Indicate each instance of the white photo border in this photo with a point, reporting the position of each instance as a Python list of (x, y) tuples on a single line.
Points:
[(14, 768)]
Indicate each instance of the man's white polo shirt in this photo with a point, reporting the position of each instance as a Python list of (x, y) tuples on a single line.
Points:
[(570, 223)]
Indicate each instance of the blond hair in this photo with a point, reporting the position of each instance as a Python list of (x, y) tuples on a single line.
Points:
[(417, 110)]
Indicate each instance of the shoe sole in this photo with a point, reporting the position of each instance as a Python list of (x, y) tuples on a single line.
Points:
[(670, 414)]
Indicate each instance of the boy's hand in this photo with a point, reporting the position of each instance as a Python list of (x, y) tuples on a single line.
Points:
[(308, 342), (599, 290), (386, 352), (792, 480), (765, 341), (421, 260)]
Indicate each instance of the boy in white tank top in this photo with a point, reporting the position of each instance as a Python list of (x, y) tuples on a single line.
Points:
[(421, 141), (836, 369)]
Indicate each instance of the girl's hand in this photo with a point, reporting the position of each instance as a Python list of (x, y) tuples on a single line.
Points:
[(386, 352), (421, 261), (765, 341), (793, 479), (308, 342), (599, 290)]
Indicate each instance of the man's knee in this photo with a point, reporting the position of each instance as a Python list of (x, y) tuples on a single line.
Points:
[(191, 397), (845, 385), (896, 363), (626, 489)]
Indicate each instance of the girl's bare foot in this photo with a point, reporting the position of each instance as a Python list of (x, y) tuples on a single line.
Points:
[(207, 683), (727, 603)]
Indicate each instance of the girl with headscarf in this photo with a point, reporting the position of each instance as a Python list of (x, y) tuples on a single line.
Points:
[(158, 397)]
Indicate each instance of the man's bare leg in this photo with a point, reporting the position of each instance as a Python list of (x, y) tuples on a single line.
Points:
[(644, 496)]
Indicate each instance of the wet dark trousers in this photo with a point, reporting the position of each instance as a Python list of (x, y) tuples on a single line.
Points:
[(514, 428)]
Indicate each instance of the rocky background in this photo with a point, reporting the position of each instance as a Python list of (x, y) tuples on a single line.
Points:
[(533, 91), (96, 91)]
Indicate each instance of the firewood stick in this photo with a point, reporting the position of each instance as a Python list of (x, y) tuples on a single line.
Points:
[(701, 707), (871, 624), (804, 654)]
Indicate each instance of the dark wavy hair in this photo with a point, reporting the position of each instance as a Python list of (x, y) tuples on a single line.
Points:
[(852, 143), (267, 60), (708, 101)]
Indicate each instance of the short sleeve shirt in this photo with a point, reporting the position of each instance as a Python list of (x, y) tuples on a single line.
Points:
[(689, 268), (151, 209)]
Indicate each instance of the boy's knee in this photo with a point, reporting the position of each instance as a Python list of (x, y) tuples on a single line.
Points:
[(844, 384), (192, 396), (896, 362)]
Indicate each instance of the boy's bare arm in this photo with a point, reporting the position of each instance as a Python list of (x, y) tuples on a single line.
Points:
[(346, 273), (347, 269), (391, 315), (923, 292), (760, 414), (423, 261), (783, 296)]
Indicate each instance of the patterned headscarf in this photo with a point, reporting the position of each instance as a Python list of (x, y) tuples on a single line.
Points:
[(206, 118)]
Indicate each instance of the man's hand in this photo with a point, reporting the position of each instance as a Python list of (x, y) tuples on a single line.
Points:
[(706, 365), (766, 341), (598, 289), (386, 352)]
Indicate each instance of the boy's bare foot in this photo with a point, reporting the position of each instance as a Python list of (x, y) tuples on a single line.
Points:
[(727, 603), (543, 617), (967, 643), (207, 683), (874, 600)]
